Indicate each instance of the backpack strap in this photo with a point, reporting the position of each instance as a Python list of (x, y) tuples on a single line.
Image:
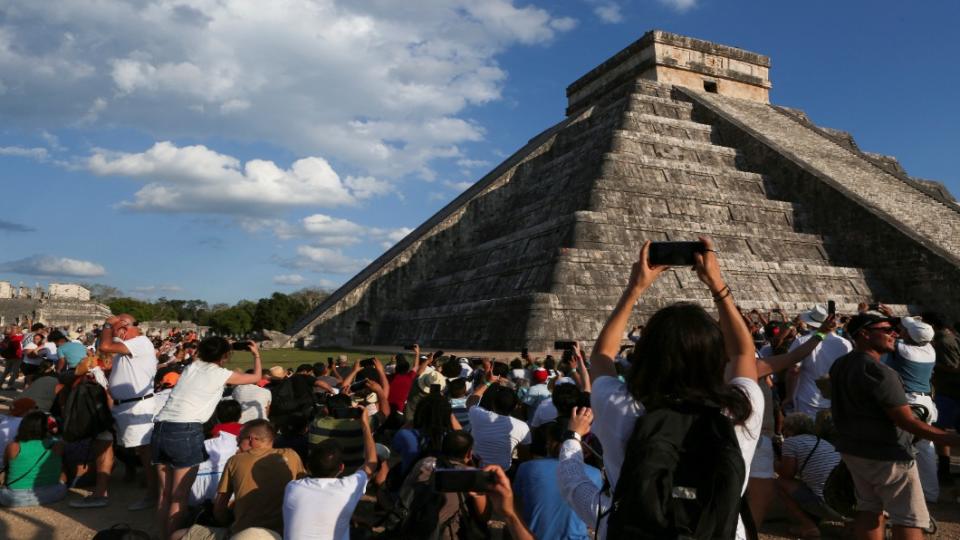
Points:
[(7, 482), (814, 449)]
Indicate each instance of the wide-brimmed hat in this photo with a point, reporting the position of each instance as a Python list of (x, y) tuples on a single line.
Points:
[(920, 332), (277, 372), (430, 378), (815, 316)]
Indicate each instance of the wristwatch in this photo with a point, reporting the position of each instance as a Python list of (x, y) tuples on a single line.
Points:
[(570, 434), (107, 326)]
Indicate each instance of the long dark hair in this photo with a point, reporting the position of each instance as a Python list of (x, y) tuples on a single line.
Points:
[(33, 427), (432, 421), (681, 356)]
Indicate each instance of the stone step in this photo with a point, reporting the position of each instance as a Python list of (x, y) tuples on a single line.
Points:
[(652, 145), (666, 107), (670, 170), (690, 229), (681, 129), (702, 189)]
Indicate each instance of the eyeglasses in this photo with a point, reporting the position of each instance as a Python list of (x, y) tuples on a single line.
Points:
[(883, 329)]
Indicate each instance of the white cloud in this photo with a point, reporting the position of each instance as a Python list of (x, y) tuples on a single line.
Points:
[(679, 5), (329, 231), (151, 290), (289, 279), (38, 154), (198, 179), (326, 260), (609, 13), (380, 87), (46, 265), (459, 186)]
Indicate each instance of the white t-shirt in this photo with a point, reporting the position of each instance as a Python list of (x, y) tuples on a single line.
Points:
[(27, 359), (816, 365), (132, 374), (220, 449), (253, 401), (320, 508), (615, 412), (496, 436), (546, 412), (196, 394)]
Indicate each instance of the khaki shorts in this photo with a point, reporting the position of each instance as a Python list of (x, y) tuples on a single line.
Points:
[(893, 486)]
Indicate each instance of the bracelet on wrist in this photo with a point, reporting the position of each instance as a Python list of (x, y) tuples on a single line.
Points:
[(722, 293), (820, 335)]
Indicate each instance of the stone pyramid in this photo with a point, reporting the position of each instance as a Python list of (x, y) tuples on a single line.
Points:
[(669, 139)]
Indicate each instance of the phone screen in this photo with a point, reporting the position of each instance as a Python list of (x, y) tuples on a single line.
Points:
[(674, 253), (461, 480)]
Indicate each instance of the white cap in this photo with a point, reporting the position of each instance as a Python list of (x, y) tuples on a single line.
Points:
[(920, 332)]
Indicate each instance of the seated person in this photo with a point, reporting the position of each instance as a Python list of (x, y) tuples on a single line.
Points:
[(10, 423), (34, 465), (43, 389), (227, 414), (457, 394), (254, 478), (803, 468), (536, 486), (404, 520), (338, 423), (219, 448), (254, 401), (496, 434), (431, 422), (321, 505)]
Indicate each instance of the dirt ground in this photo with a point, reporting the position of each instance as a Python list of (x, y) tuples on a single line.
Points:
[(60, 522)]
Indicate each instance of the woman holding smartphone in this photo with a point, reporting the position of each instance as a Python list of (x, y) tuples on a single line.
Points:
[(177, 442)]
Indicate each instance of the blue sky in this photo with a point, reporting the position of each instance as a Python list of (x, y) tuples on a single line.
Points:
[(226, 149)]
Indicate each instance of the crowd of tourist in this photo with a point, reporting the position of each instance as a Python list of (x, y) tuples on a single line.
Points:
[(661, 438)]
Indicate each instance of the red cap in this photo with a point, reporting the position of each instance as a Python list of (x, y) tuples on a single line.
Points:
[(540, 375)]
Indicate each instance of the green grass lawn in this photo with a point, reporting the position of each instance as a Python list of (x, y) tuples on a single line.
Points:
[(291, 358)]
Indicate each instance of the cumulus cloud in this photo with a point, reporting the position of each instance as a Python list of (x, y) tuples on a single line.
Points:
[(679, 5), (289, 279), (378, 86), (325, 260), (47, 265), (608, 12), (9, 226), (38, 154), (198, 179)]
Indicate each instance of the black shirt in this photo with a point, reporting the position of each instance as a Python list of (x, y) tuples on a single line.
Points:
[(862, 390), (946, 373)]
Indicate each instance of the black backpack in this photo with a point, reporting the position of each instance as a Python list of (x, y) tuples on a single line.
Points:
[(682, 476), (86, 412)]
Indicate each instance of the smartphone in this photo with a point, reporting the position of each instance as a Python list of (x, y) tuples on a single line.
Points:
[(831, 307), (563, 345), (462, 480), (366, 363), (330, 362), (358, 385), (675, 253), (240, 346), (584, 399), (435, 390), (345, 413), (874, 307)]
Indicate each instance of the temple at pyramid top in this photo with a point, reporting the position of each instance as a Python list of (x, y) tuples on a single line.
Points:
[(669, 139), (679, 60)]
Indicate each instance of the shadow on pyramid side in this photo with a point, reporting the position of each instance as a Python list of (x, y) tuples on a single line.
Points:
[(670, 139)]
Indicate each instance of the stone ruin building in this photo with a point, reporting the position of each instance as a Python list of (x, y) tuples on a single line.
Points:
[(61, 305), (670, 138)]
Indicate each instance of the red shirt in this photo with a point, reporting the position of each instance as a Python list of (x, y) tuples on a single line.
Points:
[(232, 428), (400, 384)]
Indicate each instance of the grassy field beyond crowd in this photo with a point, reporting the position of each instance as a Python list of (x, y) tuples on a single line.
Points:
[(291, 358)]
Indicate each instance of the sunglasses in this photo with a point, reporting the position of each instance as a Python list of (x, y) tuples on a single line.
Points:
[(883, 329)]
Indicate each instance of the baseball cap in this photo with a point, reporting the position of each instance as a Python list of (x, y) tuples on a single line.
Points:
[(863, 320), (540, 375), (920, 332)]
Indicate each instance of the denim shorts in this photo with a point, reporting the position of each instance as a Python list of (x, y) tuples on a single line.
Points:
[(178, 444)]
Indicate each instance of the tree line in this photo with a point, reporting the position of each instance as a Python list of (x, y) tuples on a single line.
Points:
[(276, 312)]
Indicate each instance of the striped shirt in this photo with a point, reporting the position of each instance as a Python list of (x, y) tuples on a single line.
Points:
[(347, 432), (820, 464)]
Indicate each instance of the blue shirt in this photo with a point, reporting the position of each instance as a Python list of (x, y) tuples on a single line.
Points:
[(914, 364), (406, 442), (545, 512), (72, 352)]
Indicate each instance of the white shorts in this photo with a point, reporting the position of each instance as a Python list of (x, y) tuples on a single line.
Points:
[(762, 465), (134, 422)]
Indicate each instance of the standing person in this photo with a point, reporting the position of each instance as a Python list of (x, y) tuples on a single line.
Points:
[(321, 505), (874, 427), (496, 434), (134, 368), (401, 381), (807, 398), (946, 379), (177, 440), (682, 357), (11, 350)]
